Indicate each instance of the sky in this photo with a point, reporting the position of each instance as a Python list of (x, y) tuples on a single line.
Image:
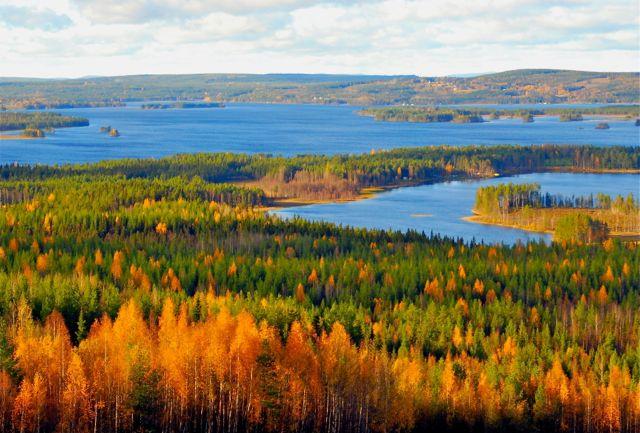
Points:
[(75, 38)]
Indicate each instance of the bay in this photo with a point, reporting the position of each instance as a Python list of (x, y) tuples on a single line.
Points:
[(285, 130), (439, 208)]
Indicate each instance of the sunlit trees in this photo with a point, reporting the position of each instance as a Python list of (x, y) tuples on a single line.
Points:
[(169, 304), (76, 411), (580, 228), (303, 395), (226, 374), (580, 219)]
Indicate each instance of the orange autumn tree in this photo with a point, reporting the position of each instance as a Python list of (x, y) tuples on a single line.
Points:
[(76, 411), (303, 394), (110, 354), (42, 354), (226, 373)]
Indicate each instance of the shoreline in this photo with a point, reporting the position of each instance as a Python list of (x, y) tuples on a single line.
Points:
[(593, 171), (371, 191), (17, 137), (284, 203), (364, 193), (477, 218)]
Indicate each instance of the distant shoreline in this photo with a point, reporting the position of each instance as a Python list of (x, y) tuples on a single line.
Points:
[(593, 171)]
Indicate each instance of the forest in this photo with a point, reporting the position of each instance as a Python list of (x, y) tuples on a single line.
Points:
[(429, 114), (588, 218), (149, 295), (10, 121), (423, 114), (316, 177), (510, 87)]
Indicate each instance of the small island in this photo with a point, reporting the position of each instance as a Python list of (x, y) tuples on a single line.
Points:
[(33, 133), (422, 115), (112, 132), (181, 105), (585, 219), (526, 117), (571, 117)]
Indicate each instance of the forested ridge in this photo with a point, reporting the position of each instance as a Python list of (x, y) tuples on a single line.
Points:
[(141, 296), (510, 87)]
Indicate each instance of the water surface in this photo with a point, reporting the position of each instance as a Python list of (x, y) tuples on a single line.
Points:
[(285, 130), (439, 208)]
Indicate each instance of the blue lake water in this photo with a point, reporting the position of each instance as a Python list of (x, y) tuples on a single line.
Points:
[(439, 208), (300, 129), (286, 130)]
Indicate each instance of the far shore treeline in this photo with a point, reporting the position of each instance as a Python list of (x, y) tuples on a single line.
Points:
[(344, 176), (431, 114), (509, 87), (11, 121)]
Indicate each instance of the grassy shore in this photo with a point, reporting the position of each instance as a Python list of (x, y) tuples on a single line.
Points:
[(281, 203), (363, 193), (543, 221), (486, 220)]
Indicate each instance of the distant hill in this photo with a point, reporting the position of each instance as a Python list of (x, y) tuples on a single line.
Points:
[(527, 86), (517, 86), (469, 74)]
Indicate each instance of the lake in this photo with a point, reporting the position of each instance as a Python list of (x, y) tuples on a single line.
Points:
[(329, 129), (439, 208), (286, 130)]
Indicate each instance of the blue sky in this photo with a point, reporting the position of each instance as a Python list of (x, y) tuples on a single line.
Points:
[(72, 38)]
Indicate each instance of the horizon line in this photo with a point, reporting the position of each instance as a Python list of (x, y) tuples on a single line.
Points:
[(452, 75)]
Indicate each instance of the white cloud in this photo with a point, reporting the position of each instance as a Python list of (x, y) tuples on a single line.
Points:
[(32, 18), (210, 28), (130, 11), (375, 36)]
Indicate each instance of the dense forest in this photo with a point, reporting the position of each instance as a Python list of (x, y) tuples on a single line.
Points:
[(511, 87), (220, 318), (588, 218), (477, 114), (344, 176), (15, 121), (147, 296)]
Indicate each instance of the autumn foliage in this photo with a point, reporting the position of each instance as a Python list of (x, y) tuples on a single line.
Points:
[(228, 372), (152, 308)]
